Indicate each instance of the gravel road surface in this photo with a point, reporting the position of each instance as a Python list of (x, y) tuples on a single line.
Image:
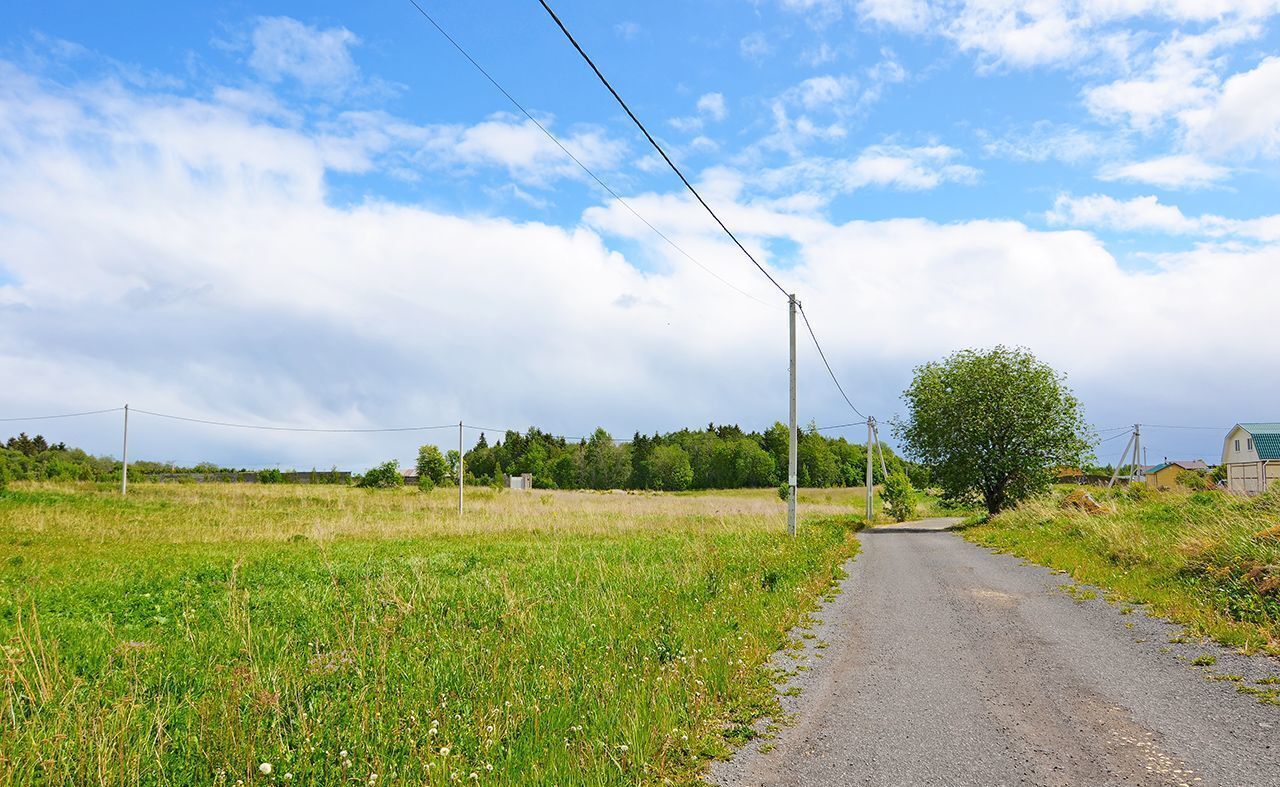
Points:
[(942, 663)]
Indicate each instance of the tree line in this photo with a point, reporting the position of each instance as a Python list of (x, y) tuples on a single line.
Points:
[(717, 457)]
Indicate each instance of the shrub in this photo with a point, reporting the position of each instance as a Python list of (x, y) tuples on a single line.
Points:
[(899, 496), (270, 476), (425, 483), (384, 476), (784, 492), (1193, 480)]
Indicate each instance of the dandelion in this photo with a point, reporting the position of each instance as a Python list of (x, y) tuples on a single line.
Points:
[(343, 754), (622, 747), (265, 769), (288, 777), (433, 731), (444, 751), (473, 775), (373, 777)]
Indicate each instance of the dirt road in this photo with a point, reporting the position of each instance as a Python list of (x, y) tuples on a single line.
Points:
[(942, 663)]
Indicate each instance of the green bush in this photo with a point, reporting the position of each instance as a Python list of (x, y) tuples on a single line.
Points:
[(899, 496), (432, 465), (270, 476), (384, 476), (784, 492), (425, 483)]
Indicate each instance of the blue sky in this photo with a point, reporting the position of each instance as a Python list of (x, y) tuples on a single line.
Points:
[(320, 214)]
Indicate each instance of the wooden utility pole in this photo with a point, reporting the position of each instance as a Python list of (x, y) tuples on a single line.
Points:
[(793, 450)]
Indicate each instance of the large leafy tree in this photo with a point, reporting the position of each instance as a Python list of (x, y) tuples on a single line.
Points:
[(992, 425), (432, 464)]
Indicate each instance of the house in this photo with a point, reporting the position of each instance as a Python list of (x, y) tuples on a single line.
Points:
[(1165, 474), (523, 481), (1251, 454)]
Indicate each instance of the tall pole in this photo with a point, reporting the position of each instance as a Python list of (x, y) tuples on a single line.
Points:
[(1137, 452), (793, 451), (462, 473), (124, 463), (871, 479)]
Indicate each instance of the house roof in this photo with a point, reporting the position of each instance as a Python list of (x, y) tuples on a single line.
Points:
[(1185, 464), (1266, 439)]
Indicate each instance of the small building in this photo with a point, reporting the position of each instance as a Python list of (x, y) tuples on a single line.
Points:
[(523, 481), (1251, 454), (1165, 474)]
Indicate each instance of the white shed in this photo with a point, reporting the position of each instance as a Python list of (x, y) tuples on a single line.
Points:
[(1251, 454)]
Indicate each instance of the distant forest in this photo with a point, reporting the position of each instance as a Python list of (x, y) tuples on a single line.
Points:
[(717, 457)]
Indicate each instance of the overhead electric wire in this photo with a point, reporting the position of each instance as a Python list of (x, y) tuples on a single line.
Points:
[(574, 158), (840, 426), (823, 355), (1167, 426), (63, 415), (290, 428), (655, 145)]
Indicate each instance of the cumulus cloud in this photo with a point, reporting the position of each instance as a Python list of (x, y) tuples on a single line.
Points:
[(184, 255), (284, 48), (712, 105), (1244, 118)]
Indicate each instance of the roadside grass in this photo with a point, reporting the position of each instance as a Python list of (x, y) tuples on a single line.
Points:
[(189, 633), (1207, 560)]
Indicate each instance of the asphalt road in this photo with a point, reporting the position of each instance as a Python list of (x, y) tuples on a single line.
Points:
[(942, 663)]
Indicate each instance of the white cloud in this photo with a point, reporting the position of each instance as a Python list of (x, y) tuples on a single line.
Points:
[(181, 255), (1148, 214), (712, 105), (909, 15), (1179, 171), (1139, 213), (284, 48), (887, 166), (1043, 141), (1244, 118), (823, 92)]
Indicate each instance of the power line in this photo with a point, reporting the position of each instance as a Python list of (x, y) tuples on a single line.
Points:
[(64, 415), (290, 428), (1167, 426), (840, 426), (656, 146), (574, 158), (823, 355)]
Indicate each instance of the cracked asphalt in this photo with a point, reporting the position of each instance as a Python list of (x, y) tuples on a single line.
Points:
[(943, 663)]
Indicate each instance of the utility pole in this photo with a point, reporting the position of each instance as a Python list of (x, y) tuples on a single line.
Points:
[(871, 478), (124, 463), (1137, 444), (793, 451), (462, 473), (1120, 462)]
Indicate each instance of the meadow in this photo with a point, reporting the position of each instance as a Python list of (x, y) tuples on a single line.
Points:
[(267, 634), (1207, 560)]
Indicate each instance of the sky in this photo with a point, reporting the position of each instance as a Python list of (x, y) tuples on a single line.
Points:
[(321, 215)]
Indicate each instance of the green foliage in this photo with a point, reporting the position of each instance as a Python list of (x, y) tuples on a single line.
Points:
[(784, 492), (1193, 480), (270, 476), (900, 496), (605, 464), (671, 471), (432, 464), (992, 425), (384, 476), (425, 483), (1208, 560)]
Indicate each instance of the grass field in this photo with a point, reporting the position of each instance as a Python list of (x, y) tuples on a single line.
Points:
[(188, 634), (1207, 560)]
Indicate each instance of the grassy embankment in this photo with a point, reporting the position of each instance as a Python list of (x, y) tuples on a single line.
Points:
[(1206, 560), (187, 634)]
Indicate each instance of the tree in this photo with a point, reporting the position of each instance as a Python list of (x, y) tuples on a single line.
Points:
[(605, 465), (991, 425), (432, 464), (670, 469), (384, 476), (899, 496)]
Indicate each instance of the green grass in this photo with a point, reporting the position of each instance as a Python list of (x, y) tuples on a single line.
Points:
[(1207, 560), (189, 633)]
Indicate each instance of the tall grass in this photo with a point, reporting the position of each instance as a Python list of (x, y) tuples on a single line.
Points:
[(189, 634), (1205, 559)]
